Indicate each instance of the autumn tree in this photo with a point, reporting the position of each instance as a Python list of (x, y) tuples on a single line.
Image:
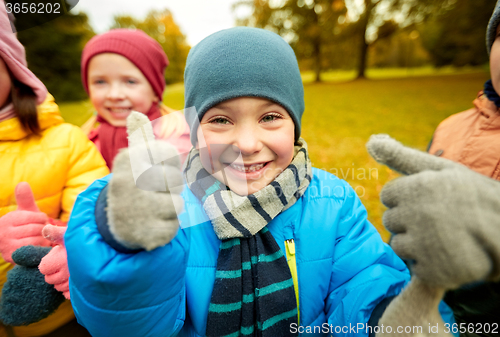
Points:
[(161, 26), (381, 18), (308, 25), (53, 52), (402, 49), (457, 36)]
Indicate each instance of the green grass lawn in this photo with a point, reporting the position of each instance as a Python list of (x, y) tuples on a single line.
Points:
[(341, 116), (76, 112), (391, 73)]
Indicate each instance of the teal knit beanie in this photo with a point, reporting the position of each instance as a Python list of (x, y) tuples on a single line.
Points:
[(491, 31), (242, 62)]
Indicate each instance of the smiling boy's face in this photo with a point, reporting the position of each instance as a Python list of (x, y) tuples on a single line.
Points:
[(116, 87), (258, 129)]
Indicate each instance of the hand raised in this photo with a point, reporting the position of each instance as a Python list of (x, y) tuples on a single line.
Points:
[(23, 226), (144, 191), (444, 216), (55, 264)]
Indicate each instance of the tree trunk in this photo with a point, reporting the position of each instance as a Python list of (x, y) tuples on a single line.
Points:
[(317, 49), (363, 55), (362, 59), (317, 58)]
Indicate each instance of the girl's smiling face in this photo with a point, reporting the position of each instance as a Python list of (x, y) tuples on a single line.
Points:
[(116, 87), (249, 142)]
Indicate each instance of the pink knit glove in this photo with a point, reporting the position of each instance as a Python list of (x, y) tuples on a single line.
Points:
[(22, 227), (54, 265)]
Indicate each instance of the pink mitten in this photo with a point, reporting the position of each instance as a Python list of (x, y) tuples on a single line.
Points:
[(23, 226), (55, 264)]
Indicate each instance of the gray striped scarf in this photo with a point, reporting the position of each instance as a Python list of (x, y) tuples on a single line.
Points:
[(253, 292)]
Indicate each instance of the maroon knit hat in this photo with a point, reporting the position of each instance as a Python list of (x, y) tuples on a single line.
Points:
[(144, 52)]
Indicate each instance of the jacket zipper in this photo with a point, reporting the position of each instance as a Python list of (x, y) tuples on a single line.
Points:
[(292, 264)]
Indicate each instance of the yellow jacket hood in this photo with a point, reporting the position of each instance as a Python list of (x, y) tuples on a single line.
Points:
[(48, 115)]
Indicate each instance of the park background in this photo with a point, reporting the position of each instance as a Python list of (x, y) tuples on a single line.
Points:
[(369, 66)]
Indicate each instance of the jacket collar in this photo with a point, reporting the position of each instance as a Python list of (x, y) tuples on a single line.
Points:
[(48, 115), (485, 106)]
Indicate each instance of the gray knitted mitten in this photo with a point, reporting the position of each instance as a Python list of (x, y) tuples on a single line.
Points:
[(144, 191), (443, 215), (414, 313)]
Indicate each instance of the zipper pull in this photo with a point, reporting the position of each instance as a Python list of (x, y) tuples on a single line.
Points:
[(290, 246)]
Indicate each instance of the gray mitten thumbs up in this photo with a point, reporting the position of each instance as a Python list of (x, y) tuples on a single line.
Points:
[(443, 216), (144, 191), (405, 160)]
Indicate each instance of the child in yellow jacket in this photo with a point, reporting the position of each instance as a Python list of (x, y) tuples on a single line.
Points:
[(37, 147)]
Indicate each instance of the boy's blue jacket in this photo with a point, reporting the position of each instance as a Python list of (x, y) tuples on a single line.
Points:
[(344, 268)]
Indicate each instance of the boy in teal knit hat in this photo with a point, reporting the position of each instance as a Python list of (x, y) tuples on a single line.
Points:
[(267, 245), (243, 62)]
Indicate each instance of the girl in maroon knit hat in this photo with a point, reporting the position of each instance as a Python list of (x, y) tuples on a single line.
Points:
[(123, 70)]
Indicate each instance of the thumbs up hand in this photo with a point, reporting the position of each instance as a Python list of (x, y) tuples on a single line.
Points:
[(23, 226), (55, 264), (142, 212), (443, 216)]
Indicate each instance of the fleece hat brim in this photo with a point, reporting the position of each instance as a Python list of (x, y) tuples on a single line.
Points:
[(242, 62), (491, 31)]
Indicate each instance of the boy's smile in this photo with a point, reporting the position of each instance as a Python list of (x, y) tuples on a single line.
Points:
[(246, 143), (116, 87)]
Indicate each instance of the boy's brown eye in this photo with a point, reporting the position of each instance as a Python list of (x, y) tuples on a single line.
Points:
[(219, 120), (270, 118)]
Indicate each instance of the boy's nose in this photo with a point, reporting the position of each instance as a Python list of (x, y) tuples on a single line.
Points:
[(248, 141)]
